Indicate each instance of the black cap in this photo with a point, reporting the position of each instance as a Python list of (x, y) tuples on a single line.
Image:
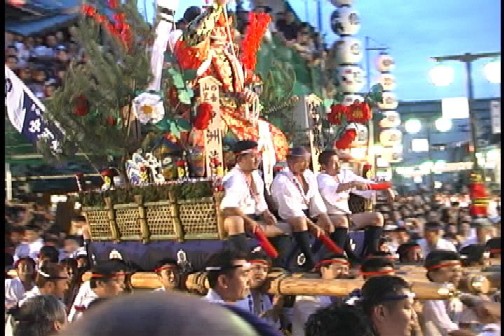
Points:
[(267, 9), (244, 145), (297, 152), (191, 13)]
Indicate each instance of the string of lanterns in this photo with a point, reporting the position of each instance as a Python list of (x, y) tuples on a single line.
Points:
[(390, 136)]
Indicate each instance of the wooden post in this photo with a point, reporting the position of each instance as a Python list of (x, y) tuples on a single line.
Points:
[(144, 228), (209, 93), (220, 218), (177, 225), (111, 215), (315, 131)]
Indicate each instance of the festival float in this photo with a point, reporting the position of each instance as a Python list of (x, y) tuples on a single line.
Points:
[(160, 111)]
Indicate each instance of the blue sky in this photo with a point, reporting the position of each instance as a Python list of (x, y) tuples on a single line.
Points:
[(416, 30)]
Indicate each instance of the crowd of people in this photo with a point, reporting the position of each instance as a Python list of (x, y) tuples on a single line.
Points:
[(46, 288)]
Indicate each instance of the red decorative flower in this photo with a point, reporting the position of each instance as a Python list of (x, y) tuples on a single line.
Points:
[(359, 112), (111, 121), (346, 139), (113, 4), (203, 117), (337, 111), (106, 172), (215, 162), (81, 106), (180, 163), (88, 10)]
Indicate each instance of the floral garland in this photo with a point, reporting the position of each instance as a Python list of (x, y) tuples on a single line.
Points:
[(356, 113), (120, 29)]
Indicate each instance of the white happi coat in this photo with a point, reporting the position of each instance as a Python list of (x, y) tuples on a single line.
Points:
[(291, 199)]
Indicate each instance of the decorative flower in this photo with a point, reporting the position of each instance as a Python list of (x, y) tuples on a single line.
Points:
[(180, 163), (113, 3), (359, 112), (111, 121), (346, 139), (88, 10), (148, 107), (81, 106), (204, 116), (337, 111)]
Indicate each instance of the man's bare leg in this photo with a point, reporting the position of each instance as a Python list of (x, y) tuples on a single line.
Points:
[(372, 223)]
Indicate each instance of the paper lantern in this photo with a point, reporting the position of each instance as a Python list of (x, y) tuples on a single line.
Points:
[(389, 101), (348, 50), (387, 81), (390, 119), (390, 137), (350, 98), (345, 21), (350, 78), (339, 3), (362, 135), (384, 63)]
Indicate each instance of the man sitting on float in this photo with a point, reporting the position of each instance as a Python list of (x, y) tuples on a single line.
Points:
[(244, 206), (335, 185)]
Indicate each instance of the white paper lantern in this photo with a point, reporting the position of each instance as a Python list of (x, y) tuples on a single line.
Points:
[(348, 50), (390, 137), (388, 81), (384, 63), (349, 99), (350, 78), (390, 119), (339, 3), (345, 21), (389, 101)]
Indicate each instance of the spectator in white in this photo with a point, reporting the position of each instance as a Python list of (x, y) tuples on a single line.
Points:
[(257, 302), (483, 232), (244, 206), (51, 279), (432, 239), (296, 195), (31, 245), (227, 274), (108, 279), (335, 185), (169, 274), (72, 247), (441, 317), (330, 267), (16, 288)]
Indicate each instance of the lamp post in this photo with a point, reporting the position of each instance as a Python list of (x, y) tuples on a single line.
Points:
[(468, 59)]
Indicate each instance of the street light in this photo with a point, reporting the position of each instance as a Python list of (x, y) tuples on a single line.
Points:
[(492, 71), (414, 126), (468, 59), (441, 75)]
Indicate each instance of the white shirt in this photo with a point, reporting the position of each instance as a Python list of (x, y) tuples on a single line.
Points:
[(265, 304), (212, 296), (83, 298), (14, 291), (337, 203), (442, 244), (238, 195), (305, 306), (290, 198), (31, 250), (35, 291), (437, 322)]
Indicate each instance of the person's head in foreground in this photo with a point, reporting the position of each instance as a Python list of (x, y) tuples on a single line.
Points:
[(170, 314), (260, 265), (338, 319), (227, 273), (169, 274), (443, 266), (42, 315), (388, 303), (333, 266)]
